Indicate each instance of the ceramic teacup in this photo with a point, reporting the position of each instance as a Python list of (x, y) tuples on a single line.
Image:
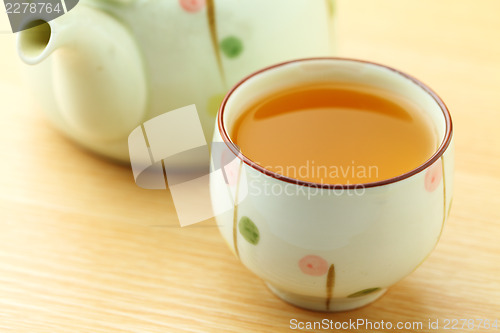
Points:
[(333, 247)]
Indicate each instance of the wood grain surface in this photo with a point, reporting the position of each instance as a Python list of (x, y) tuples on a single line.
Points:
[(83, 249)]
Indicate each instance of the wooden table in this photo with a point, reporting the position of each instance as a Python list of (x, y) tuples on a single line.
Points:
[(83, 249)]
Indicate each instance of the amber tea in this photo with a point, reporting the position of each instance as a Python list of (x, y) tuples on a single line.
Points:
[(335, 134)]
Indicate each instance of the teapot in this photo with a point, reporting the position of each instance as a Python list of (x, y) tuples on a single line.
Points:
[(105, 67)]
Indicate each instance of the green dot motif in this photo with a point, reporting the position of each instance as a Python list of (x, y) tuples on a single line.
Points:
[(331, 7), (231, 46), (363, 292), (214, 103), (249, 230)]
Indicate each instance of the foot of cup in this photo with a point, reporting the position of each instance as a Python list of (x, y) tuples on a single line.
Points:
[(322, 304)]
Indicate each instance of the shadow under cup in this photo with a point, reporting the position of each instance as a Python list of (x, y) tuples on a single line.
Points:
[(323, 246)]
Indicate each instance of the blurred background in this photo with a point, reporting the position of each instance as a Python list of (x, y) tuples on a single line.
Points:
[(83, 249)]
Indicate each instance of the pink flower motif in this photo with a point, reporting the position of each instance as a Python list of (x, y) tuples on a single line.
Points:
[(313, 265), (192, 6), (231, 165), (433, 176)]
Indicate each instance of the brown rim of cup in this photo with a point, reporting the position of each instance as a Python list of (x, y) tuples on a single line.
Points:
[(235, 149)]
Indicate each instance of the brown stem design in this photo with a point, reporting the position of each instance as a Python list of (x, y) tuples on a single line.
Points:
[(212, 24), (147, 143), (330, 282), (235, 213), (330, 7), (444, 197)]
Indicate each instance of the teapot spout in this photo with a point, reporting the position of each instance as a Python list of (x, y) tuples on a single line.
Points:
[(96, 74), (33, 44)]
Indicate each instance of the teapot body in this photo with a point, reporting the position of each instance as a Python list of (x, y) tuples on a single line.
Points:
[(192, 52)]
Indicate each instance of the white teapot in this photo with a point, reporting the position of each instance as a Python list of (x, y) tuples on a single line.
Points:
[(105, 67)]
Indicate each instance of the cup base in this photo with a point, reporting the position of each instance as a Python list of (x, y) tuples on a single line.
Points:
[(321, 303)]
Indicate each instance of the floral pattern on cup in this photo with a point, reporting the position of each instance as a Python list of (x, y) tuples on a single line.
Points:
[(331, 7), (214, 103), (231, 166), (231, 46), (363, 292), (313, 265), (433, 176), (249, 230), (192, 6)]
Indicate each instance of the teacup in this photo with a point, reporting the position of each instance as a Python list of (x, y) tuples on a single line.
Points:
[(333, 247)]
